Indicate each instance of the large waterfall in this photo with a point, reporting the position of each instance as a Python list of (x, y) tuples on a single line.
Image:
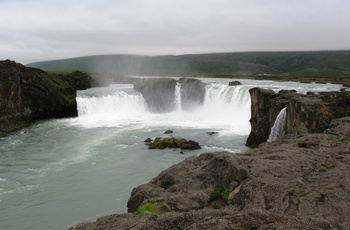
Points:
[(277, 127), (224, 106)]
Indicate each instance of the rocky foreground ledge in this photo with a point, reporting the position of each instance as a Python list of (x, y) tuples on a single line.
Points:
[(296, 182)]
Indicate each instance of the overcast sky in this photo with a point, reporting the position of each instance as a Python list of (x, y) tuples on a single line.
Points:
[(36, 30)]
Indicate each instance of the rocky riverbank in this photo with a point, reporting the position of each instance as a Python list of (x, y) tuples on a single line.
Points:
[(280, 185), (29, 94), (299, 181)]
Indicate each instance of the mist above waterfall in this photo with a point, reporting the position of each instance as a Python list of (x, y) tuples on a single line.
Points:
[(109, 69)]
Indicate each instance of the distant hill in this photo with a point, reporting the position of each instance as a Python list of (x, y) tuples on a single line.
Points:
[(315, 63)]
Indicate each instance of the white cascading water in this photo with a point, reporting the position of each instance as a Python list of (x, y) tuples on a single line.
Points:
[(109, 106), (277, 127), (225, 107), (178, 96)]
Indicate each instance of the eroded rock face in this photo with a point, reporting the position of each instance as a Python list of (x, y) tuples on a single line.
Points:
[(28, 94), (159, 93), (278, 186), (263, 115), (305, 113)]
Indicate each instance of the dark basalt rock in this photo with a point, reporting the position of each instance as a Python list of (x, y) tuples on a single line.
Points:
[(190, 145), (28, 94), (172, 142), (305, 113), (159, 93), (234, 83), (263, 115), (212, 133), (168, 132)]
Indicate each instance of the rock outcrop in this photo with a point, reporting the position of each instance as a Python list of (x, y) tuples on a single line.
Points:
[(172, 142), (159, 93), (278, 186), (234, 83), (263, 114), (305, 113), (192, 93), (28, 94)]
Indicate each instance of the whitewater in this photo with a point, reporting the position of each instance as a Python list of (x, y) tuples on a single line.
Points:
[(65, 171)]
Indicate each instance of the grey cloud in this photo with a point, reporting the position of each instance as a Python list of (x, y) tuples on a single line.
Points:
[(42, 29)]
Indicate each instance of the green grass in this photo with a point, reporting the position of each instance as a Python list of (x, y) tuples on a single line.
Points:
[(219, 198), (152, 206), (149, 207)]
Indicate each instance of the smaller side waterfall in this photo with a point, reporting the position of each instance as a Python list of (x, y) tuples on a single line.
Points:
[(277, 127)]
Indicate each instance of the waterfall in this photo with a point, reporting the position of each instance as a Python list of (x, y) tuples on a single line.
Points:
[(115, 102), (178, 96), (277, 127), (224, 107), (221, 94)]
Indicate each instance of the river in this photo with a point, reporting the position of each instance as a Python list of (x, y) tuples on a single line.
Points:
[(65, 171)]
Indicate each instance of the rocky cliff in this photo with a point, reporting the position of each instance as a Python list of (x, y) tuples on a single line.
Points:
[(296, 182), (192, 93), (159, 93), (28, 94), (305, 113)]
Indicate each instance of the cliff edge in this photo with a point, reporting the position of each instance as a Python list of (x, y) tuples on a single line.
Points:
[(28, 94), (310, 113)]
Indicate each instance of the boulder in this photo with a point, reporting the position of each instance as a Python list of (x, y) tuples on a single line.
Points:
[(168, 131), (172, 142), (159, 93), (212, 133), (190, 145), (234, 83)]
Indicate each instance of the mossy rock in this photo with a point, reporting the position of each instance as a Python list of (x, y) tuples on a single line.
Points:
[(168, 142), (153, 206), (168, 131), (157, 144), (148, 140)]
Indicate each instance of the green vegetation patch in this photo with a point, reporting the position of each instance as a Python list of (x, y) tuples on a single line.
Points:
[(302, 144), (251, 151), (325, 167), (219, 198), (152, 206), (168, 142)]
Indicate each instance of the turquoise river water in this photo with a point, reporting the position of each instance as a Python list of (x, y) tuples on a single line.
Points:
[(60, 172)]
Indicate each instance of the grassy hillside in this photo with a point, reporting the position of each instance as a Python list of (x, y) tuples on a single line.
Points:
[(317, 63)]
